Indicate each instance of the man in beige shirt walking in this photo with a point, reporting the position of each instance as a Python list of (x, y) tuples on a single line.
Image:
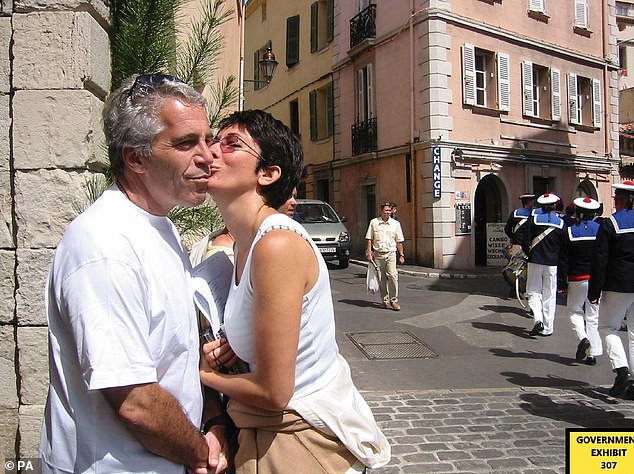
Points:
[(385, 241)]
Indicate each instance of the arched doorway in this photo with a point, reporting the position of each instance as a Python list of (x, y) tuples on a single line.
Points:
[(487, 208)]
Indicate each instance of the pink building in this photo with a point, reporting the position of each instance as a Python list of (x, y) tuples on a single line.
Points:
[(452, 109)]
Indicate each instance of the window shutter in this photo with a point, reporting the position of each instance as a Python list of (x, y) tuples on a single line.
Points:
[(314, 18), (581, 13), (555, 94), (292, 40), (504, 97), (330, 21), (573, 112), (370, 91), (536, 5), (330, 112), (468, 78), (596, 102), (527, 88), (360, 96), (312, 96)]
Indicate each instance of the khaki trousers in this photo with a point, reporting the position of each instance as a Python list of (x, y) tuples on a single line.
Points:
[(388, 275), (282, 442)]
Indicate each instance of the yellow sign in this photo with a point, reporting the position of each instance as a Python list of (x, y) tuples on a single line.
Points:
[(597, 451)]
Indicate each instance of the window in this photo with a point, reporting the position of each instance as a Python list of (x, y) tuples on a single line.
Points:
[(537, 6), (294, 116), (584, 101), (321, 112), (257, 74), (321, 24), (365, 94), (581, 13), (363, 4), (292, 41), (541, 91), (486, 78)]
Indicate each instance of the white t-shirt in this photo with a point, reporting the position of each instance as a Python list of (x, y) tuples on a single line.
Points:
[(120, 312), (317, 349)]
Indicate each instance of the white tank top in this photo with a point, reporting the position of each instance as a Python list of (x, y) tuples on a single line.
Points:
[(317, 348)]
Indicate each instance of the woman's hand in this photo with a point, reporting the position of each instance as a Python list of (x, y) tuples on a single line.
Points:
[(218, 355)]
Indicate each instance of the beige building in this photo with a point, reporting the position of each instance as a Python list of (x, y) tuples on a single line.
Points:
[(625, 42), (451, 109)]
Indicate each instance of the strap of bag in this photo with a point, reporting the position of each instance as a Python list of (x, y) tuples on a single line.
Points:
[(518, 225), (541, 237)]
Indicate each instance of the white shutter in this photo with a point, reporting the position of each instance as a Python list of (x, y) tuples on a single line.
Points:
[(360, 96), (555, 94), (504, 82), (527, 88), (573, 112), (581, 13), (596, 102), (536, 5), (370, 85), (468, 78)]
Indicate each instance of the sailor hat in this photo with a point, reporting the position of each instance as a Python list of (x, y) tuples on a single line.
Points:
[(625, 186), (587, 203), (527, 196), (548, 198)]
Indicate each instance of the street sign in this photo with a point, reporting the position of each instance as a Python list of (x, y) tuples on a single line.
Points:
[(436, 173)]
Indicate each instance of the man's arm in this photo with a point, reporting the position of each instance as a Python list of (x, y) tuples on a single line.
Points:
[(157, 421), (401, 253)]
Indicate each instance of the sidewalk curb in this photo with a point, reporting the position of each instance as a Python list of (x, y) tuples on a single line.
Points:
[(456, 275)]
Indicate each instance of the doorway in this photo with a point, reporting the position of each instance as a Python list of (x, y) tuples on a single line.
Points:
[(487, 208)]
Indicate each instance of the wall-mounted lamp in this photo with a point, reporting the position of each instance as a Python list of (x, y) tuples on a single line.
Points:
[(457, 153), (268, 64)]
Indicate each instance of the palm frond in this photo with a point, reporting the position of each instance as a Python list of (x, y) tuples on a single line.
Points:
[(94, 186)]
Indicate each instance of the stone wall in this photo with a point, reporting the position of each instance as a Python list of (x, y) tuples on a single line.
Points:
[(54, 75)]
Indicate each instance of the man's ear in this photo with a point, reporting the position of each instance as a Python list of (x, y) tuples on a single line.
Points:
[(269, 175), (134, 160)]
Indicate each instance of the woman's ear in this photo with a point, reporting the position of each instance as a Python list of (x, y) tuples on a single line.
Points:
[(134, 160), (269, 175)]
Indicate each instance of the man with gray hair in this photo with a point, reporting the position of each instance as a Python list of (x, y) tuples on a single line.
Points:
[(124, 391)]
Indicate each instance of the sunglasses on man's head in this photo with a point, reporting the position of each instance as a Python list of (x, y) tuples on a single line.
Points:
[(151, 80)]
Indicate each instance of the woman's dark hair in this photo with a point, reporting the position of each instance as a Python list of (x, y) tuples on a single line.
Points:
[(278, 147)]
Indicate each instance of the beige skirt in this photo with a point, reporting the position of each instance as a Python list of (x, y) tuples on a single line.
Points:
[(282, 442)]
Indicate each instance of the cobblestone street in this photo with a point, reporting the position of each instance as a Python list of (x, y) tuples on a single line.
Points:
[(508, 430)]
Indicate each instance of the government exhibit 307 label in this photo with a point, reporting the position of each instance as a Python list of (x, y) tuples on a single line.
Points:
[(590, 451)]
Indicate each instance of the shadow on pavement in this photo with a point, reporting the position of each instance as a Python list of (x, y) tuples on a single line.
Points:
[(557, 358), (494, 308), (574, 413), (361, 303), (498, 327)]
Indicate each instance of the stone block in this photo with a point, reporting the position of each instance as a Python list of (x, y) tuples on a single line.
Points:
[(56, 128), (45, 202), (33, 266), (8, 387), (5, 126), (5, 46), (31, 417), (7, 285), (8, 433), (6, 221), (99, 8), (60, 50), (33, 364)]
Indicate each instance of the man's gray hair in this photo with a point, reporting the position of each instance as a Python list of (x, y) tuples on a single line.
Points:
[(131, 113)]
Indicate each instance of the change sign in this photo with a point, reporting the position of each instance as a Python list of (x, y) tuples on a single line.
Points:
[(435, 171)]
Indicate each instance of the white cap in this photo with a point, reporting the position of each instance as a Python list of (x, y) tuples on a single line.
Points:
[(527, 196), (547, 198), (625, 186), (587, 203)]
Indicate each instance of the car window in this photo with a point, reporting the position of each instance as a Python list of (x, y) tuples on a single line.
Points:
[(314, 214)]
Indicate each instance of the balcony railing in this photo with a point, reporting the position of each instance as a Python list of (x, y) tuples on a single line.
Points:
[(363, 25), (364, 136)]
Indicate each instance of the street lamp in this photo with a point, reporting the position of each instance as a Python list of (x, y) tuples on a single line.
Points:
[(268, 64)]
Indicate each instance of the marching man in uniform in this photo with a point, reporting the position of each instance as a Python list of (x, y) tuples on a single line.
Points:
[(542, 243), (612, 279), (518, 218), (575, 261)]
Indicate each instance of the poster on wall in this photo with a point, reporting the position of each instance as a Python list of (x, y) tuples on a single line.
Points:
[(463, 218), (496, 243)]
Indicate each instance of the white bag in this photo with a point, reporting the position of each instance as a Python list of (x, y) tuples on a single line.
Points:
[(372, 278)]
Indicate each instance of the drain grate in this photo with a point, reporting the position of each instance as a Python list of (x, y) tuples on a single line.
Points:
[(387, 345)]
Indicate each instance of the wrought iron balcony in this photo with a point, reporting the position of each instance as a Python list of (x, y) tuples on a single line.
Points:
[(363, 25), (364, 136)]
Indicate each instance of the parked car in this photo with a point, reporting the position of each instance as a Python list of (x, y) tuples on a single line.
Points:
[(326, 229)]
